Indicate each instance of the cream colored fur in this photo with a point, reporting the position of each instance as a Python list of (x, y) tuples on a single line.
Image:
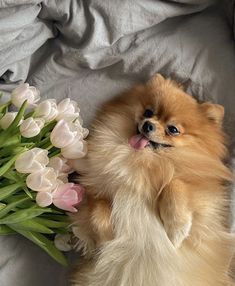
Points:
[(168, 207)]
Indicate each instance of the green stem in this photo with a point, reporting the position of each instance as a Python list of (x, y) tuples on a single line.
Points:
[(12, 129), (43, 142), (54, 153), (5, 105), (49, 147)]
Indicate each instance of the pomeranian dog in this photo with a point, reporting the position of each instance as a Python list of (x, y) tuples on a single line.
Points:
[(157, 206)]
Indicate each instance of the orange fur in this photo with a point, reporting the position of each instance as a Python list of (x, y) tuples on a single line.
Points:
[(180, 190)]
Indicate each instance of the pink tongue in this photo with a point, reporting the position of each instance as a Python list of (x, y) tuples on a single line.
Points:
[(138, 142)]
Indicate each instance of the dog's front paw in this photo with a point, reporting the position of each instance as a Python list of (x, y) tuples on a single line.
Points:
[(175, 212), (83, 242), (178, 231)]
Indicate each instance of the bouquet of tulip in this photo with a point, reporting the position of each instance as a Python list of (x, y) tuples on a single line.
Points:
[(35, 144)]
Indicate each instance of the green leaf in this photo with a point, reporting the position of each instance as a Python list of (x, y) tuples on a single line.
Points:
[(27, 191), (3, 107), (2, 206), (11, 206), (15, 176), (13, 140), (52, 223), (4, 230), (43, 142), (62, 231), (45, 244), (8, 190), (54, 152), (12, 150), (31, 225), (8, 165), (30, 114), (25, 205), (22, 215), (56, 217), (3, 160), (13, 129), (47, 128), (18, 117)]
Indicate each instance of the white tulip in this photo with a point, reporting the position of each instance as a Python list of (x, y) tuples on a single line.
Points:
[(7, 119), (61, 168), (31, 127), (32, 161), (63, 134), (67, 110), (63, 177), (83, 131), (44, 199), (44, 180), (47, 109), (25, 92), (77, 149), (60, 165)]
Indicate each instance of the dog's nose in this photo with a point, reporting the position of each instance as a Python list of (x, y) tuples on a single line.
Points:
[(148, 127)]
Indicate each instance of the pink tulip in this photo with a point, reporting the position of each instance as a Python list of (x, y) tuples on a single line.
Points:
[(68, 195)]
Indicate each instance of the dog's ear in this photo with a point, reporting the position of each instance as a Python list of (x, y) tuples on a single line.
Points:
[(157, 80), (214, 112)]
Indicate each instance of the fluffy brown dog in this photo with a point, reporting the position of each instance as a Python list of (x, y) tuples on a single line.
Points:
[(157, 207)]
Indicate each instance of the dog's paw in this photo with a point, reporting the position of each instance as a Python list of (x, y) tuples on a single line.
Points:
[(177, 224), (178, 232), (83, 243)]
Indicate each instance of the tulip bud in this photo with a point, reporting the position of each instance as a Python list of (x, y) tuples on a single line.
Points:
[(63, 134), (61, 168), (67, 196), (60, 165), (44, 199), (7, 119), (31, 127), (32, 161), (67, 110), (47, 109), (83, 131), (77, 149), (44, 180), (25, 92)]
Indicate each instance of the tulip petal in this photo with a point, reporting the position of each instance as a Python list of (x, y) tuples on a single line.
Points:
[(62, 135), (32, 161), (44, 199), (31, 127), (68, 195), (47, 109), (25, 92), (67, 110), (42, 181), (76, 150), (7, 119)]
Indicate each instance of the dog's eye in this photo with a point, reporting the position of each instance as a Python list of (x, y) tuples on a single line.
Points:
[(172, 130), (148, 113)]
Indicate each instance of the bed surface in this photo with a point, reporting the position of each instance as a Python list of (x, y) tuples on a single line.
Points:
[(92, 50)]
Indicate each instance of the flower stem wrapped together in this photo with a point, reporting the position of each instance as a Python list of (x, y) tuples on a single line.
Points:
[(35, 192)]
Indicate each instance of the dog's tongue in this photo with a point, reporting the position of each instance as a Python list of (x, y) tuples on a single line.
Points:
[(138, 142)]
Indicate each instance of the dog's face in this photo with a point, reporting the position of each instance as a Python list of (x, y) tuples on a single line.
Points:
[(160, 117), (169, 119)]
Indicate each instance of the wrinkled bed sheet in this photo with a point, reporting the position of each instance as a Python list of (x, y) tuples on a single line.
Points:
[(90, 51)]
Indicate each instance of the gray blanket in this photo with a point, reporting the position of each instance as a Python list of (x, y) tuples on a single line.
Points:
[(91, 50)]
